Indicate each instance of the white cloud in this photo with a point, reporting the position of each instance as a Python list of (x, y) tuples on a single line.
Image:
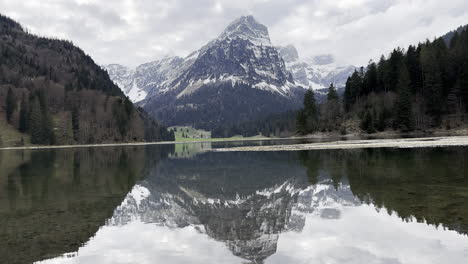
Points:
[(132, 32)]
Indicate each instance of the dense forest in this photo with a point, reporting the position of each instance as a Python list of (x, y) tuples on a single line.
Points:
[(274, 125), (322, 111), (51, 92), (421, 88)]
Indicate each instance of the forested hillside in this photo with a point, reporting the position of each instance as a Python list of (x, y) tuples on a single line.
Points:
[(51, 92), (422, 88)]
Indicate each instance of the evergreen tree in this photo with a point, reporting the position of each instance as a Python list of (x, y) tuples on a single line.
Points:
[(404, 118), (370, 79), (432, 84), (463, 78), (23, 116), (367, 123), (35, 122), (352, 90), (76, 123), (332, 94), (310, 111), (394, 62), (301, 122), (10, 105), (382, 75), (414, 69)]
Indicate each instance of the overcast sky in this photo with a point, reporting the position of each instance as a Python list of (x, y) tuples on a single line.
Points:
[(131, 32)]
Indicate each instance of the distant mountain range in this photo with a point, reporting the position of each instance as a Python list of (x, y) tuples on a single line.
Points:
[(236, 77), (317, 72)]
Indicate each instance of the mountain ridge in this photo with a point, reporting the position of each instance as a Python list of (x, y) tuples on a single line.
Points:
[(56, 94), (239, 66)]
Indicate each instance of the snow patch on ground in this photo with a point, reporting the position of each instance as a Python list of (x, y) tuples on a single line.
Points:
[(359, 144)]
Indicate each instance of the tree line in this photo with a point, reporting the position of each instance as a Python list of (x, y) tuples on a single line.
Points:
[(423, 87)]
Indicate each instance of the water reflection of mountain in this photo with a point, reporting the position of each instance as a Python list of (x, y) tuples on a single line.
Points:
[(53, 201), (243, 199), (246, 200)]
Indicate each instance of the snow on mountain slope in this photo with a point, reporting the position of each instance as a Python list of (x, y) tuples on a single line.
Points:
[(242, 53), (317, 72), (236, 77), (139, 82)]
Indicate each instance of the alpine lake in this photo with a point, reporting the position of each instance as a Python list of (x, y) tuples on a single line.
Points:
[(181, 203)]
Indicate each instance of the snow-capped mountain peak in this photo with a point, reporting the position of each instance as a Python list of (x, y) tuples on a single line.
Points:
[(247, 28), (238, 76), (316, 72)]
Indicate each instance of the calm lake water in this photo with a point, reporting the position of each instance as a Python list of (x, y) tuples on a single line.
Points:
[(177, 204)]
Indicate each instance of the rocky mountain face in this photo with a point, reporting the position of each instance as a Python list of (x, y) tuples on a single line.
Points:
[(236, 77), (317, 72), (139, 82)]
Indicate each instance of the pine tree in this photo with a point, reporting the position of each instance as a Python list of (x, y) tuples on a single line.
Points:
[(301, 121), (395, 61), (310, 111), (367, 123), (23, 116), (432, 84), (76, 123), (352, 90), (404, 116), (370, 79), (10, 105), (35, 122), (332, 94), (414, 69)]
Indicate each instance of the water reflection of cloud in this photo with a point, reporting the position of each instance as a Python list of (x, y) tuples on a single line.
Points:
[(363, 235), (360, 235), (142, 243)]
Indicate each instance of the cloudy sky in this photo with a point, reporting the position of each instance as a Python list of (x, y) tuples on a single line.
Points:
[(131, 32)]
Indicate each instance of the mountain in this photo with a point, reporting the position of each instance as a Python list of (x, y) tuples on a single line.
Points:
[(448, 37), (137, 83), (317, 72), (236, 77), (53, 93)]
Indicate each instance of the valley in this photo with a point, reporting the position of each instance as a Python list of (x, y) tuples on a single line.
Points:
[(261, 132)]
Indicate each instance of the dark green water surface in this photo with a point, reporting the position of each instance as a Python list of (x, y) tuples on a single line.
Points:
[(178, 204)]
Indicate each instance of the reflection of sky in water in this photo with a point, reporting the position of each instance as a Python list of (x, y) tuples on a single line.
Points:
[(337, 229)]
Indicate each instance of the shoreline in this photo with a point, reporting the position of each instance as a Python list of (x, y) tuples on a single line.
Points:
[(423, 142), (335, 141), (38, 147)]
